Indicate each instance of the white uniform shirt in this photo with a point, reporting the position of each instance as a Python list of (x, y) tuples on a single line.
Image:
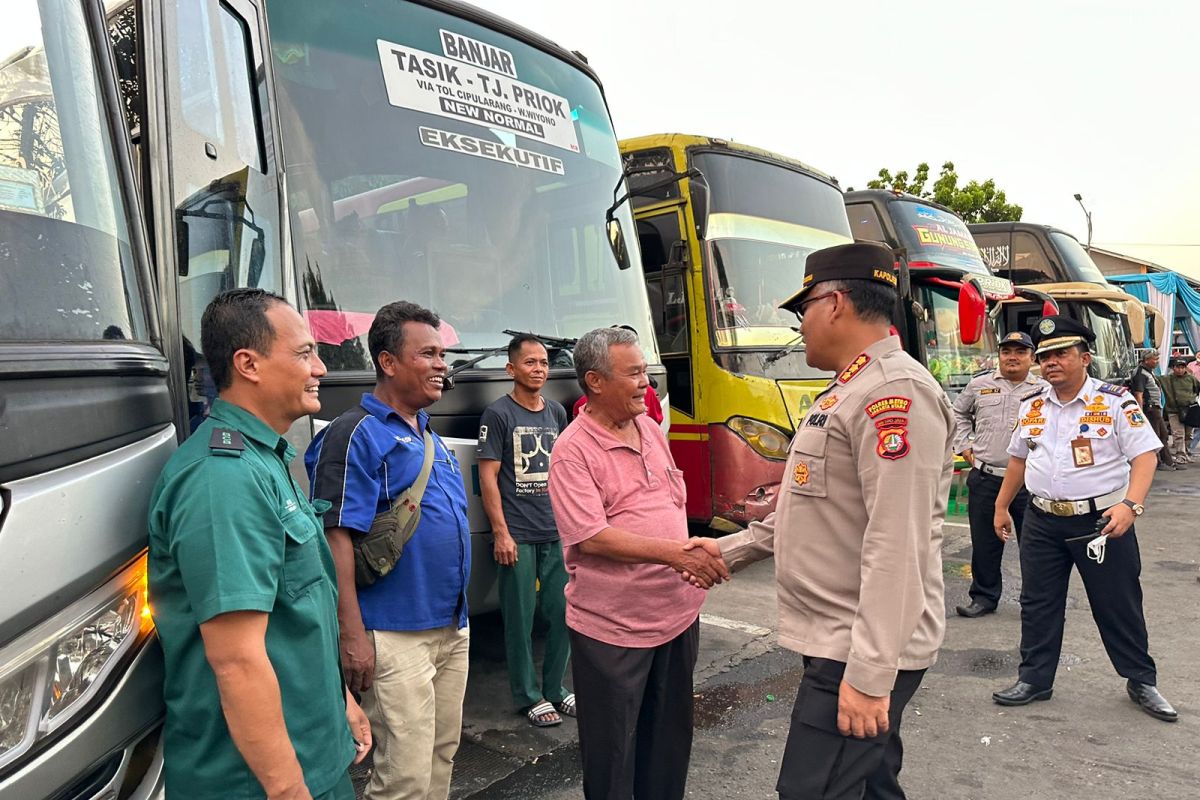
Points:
[(1106, 416), (984, 413)]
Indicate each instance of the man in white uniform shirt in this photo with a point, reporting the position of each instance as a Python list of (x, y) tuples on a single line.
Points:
[(1084, 450)]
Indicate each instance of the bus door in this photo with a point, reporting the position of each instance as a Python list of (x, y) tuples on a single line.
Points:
[(217, 221), (666, 263)]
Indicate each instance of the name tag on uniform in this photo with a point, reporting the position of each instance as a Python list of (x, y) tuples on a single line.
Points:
[(1081, 452)]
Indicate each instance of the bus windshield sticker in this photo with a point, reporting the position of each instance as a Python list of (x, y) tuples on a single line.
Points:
[(940, 236), (477, 53), (432, 84), (482, 148)]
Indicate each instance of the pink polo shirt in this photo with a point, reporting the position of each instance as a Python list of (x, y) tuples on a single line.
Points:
[(596, 482)]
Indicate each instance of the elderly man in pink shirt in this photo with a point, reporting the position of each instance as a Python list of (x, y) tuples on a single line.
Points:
[(618, 502)]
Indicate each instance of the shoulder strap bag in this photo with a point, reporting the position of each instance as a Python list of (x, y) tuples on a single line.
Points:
[(376, 553)]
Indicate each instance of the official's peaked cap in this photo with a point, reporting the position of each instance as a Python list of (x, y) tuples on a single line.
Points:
[(1056, 332), (860, 261)]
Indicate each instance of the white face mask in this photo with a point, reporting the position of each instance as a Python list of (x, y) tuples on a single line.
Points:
[(1096, 548)]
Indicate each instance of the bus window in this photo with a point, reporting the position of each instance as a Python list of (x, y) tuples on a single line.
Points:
[(1075, 259), (66, 266), (1029, 261), (865, 223), (952, 362)]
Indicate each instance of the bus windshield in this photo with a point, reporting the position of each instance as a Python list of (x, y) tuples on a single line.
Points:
[(936, 236), (67, 271), (1112, 352), (952, 362), (434, 160), (764, 219), (1077, 261)]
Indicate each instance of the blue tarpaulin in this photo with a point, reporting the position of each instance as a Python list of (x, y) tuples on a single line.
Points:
[(1171, 283)]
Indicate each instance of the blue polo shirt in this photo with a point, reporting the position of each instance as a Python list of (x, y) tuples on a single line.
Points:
[(361, 462)]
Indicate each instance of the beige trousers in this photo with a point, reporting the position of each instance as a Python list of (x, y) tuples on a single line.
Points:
[(415, 708)]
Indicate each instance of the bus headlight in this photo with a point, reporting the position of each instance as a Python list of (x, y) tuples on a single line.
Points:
[(765, 439), (51, 672)]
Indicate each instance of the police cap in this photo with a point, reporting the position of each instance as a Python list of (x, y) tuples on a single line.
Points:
[(1056, 332), (1018, 338), (860, 261)]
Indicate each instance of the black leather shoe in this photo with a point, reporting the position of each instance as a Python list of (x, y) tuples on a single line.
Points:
[(976, 609), (1151, 701), (1020, 694)]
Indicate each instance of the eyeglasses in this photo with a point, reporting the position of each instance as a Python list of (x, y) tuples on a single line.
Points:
[(810, 300)]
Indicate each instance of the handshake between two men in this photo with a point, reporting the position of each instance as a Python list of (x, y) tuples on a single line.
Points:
[(700, 563)]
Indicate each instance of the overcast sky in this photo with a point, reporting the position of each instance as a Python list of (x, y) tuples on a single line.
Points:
[(1048, 98)]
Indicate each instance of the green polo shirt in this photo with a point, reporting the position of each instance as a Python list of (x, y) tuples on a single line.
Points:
[(230, 530)]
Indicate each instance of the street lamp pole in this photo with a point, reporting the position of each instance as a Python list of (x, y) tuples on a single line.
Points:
[(1088, 214)]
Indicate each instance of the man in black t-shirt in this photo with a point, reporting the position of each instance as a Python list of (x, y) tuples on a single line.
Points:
[(1148, 393), (516, 435)]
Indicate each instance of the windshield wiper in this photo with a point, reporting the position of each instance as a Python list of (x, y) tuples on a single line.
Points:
[(787, 350), (555, 342), (552, 341)]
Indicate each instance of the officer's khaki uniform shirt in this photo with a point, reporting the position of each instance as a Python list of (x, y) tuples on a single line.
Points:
[(857, 531), (984, 412), (1106, 416)]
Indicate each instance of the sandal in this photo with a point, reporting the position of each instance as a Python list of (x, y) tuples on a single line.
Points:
[(539, 711), (567, 705)]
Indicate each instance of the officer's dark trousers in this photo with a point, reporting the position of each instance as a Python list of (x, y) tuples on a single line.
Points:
[(986, 548), (1113, 589), (635, 716), (821, 764)]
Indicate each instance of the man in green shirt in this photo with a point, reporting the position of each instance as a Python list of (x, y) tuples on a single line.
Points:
[(1179, 388), (242, 583)]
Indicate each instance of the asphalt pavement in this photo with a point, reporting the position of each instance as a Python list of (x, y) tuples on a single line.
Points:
[(1089, 741)]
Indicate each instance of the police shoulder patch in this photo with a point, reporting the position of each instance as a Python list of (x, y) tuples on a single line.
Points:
[(226, 442), (1033, 394), (1112, 388)]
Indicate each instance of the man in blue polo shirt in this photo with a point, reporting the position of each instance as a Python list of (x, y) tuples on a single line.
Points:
[(404, 639)]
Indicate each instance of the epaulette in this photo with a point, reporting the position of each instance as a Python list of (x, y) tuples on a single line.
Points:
[(1033, 394), (1112, 388), (226, 442), (984, 371)]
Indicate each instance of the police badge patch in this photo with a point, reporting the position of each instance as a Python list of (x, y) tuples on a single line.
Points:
[(800, 474), (893, 438)]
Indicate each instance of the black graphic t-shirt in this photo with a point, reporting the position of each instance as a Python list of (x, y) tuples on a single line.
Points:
[(521, 440)]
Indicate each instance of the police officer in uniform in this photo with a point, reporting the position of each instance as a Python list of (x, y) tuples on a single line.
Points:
[(1084, 450), (857, 533), (984, 413), (241, 579)]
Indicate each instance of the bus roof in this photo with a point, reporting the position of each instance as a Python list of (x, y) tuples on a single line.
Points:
[(687, 141), (887, 195), (469, 12), (1008, 227)]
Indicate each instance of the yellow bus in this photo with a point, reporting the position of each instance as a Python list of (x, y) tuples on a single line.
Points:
[(722, 246)]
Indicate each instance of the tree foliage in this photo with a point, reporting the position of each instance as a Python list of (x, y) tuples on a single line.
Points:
[(974, 202)]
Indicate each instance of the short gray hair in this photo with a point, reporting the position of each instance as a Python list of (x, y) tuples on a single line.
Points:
[(591, 351)]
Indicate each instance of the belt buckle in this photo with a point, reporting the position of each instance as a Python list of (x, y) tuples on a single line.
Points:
[(1062, 508)]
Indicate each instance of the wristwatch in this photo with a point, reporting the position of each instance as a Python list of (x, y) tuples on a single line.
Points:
[(1138, 508)]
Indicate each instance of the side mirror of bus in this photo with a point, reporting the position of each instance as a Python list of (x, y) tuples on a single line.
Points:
[(616, 242), (972, 311)]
